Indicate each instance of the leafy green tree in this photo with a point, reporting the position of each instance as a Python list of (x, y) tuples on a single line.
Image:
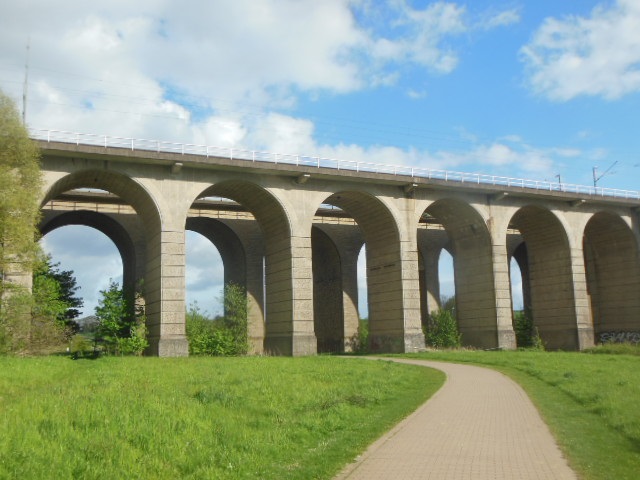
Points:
[(236, 312), (121, 328), (442, 328), (66, 290), (20, 186)]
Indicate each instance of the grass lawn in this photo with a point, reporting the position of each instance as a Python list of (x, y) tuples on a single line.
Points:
[(221, 418), (591, 403)]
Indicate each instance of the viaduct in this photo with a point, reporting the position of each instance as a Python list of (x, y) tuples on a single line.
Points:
[(290, 228)]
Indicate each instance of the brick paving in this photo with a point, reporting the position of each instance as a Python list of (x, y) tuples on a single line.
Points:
[(479, 425)]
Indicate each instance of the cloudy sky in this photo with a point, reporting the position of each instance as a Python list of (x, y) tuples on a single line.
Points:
[(537, 89)]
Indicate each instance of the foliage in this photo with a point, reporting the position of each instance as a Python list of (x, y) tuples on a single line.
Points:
[(589, 401), (225, 336), (121, 330), (442, 328), (168, 418), (20, 185), (206, 336), (527, 335), (42, 315), (236, 316), (68, 291), (359, 343)]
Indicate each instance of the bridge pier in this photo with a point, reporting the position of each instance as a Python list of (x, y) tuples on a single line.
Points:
[(164, 289)]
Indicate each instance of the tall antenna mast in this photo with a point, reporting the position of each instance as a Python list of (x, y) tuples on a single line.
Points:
[(26, 84)]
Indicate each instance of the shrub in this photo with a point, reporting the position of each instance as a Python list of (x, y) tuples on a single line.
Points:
[(359, 342), (225, 336), (121, 329), (442, 330), (527, 335)]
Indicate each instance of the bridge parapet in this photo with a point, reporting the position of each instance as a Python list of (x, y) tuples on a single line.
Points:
[(317, 162)]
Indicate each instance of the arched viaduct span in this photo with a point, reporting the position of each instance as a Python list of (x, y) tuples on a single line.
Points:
[(292, 233)]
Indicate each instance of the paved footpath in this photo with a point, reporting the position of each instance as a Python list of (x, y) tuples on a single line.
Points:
[(479, 425)]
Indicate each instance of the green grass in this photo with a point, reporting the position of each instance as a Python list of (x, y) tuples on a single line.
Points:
[(232, 418), (590, 402)]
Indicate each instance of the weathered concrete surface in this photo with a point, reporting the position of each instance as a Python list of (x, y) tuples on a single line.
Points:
[(580, 253), (479, 426)]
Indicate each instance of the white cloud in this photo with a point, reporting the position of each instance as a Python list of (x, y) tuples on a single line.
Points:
[(500, 19), (597, 55)]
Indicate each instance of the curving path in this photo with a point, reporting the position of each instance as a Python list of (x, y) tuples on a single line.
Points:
[(479, 425)]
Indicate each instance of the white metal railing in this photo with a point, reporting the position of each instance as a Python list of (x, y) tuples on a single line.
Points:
[(321, 162)]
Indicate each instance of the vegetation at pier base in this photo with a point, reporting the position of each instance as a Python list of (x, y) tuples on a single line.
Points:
[(222, 418), (121, 327), (589, 401), (527, 335), (221, 336), (441, 330)]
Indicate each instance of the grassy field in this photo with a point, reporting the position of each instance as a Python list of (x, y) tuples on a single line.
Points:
[(591, 403), (230, 418)]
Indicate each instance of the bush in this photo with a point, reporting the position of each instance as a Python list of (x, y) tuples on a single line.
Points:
[(527, 335), (442, 330), (359, 342), (121, 329), (226, 336)]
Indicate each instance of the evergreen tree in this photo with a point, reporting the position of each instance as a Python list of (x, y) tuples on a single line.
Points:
[(67, 289)]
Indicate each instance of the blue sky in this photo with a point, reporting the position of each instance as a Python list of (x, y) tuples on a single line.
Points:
[(534, 89)]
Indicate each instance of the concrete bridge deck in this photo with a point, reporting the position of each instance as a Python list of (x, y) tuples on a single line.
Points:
[(480, 425)]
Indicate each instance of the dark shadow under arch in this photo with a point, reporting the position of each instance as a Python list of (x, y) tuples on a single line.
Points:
[(612, 266), (550, 276), (470, 247)]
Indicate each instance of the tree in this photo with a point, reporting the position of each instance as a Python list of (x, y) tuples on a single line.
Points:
[(236, 312), (121, 328), (442, 328), (20, 185), (67, 288)]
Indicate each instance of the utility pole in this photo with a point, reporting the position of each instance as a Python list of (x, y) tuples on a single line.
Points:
[(597, 177), (26, 85)]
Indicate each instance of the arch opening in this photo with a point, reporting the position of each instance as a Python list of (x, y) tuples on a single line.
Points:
[(91, 255), (252, 232), (544, 259), (612, 268), (348, 221), (455, 227), (204, 275)]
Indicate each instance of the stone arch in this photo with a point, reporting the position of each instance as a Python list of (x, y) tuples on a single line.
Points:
[(131, 191), (132, 258), (612, 265), (335, 251), (163, 280), (288, 314), (550, 275), (228, 244), (471, 249), (391, 326)]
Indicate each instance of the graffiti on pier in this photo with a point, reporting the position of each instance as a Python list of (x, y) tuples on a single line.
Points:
[(619, 337)]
